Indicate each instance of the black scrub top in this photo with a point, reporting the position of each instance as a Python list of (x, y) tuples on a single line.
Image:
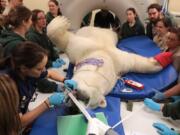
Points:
[(26, 88)]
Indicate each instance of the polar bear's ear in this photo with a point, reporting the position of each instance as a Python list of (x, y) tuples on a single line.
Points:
[(102, 102)]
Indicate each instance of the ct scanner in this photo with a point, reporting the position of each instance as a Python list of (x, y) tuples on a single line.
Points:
[(75, 10)]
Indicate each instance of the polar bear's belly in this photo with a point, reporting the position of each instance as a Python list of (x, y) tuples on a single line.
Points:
[(99, 76)]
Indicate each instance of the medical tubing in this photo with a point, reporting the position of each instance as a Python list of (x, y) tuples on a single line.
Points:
[(81, 108), (127, 117)]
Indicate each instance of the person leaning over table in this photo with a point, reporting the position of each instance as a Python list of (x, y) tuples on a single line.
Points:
[(25, 66), (173, 44), (169, 110)]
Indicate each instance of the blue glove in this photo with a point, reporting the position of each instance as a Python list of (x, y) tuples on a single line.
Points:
[(61, 61), (162, 129), (58, 63), (158, 96), (71, 84), (57, 98), (152, 105)]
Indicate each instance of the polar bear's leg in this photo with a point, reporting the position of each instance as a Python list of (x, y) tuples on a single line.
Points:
[(129, 62)]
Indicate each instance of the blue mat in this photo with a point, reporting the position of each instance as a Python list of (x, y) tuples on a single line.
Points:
[(141, 45), (152, 82), (46, 124)]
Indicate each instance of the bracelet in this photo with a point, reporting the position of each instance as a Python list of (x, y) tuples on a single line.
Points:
[(45, 102)]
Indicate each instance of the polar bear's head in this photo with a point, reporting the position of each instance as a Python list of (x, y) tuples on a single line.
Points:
[(92, 99)]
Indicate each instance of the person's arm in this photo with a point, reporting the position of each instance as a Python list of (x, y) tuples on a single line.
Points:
[(55, 76), (29, 117), (172, 110), (174, 91), (67, 82), (169, 110), (54, 100)]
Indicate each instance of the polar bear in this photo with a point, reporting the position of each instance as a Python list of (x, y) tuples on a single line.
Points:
[(98, 63)]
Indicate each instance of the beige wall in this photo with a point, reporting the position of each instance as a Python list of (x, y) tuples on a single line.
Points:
[(36, 4), (174, 6)]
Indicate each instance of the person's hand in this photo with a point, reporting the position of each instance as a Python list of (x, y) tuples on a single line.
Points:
[(162, 129), (56, 99), (159, 96), (58, 63), (152, 105), (71, 84), (61, 61)]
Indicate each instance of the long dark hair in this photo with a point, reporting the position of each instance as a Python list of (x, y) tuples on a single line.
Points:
[(27, 53), (17, 15), (9, 101), (134, 12), (35, 13)]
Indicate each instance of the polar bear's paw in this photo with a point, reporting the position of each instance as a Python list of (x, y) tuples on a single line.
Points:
[(60, 24)]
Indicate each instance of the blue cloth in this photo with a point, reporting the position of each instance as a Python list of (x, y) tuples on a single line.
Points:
[(46, 124)]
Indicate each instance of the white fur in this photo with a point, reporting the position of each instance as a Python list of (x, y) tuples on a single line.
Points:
[(89, 42)]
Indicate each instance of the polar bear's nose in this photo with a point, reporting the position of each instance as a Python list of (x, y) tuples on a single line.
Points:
[(82, 97)]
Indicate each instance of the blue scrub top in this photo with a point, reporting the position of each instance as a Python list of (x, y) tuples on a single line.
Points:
[(26, 88)]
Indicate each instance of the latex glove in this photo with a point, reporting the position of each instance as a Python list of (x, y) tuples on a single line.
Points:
[(152, 105), (61, 61), (164, 58), (71, 84), (162, 129), (158, 96), (58, 63), (56, 99)]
